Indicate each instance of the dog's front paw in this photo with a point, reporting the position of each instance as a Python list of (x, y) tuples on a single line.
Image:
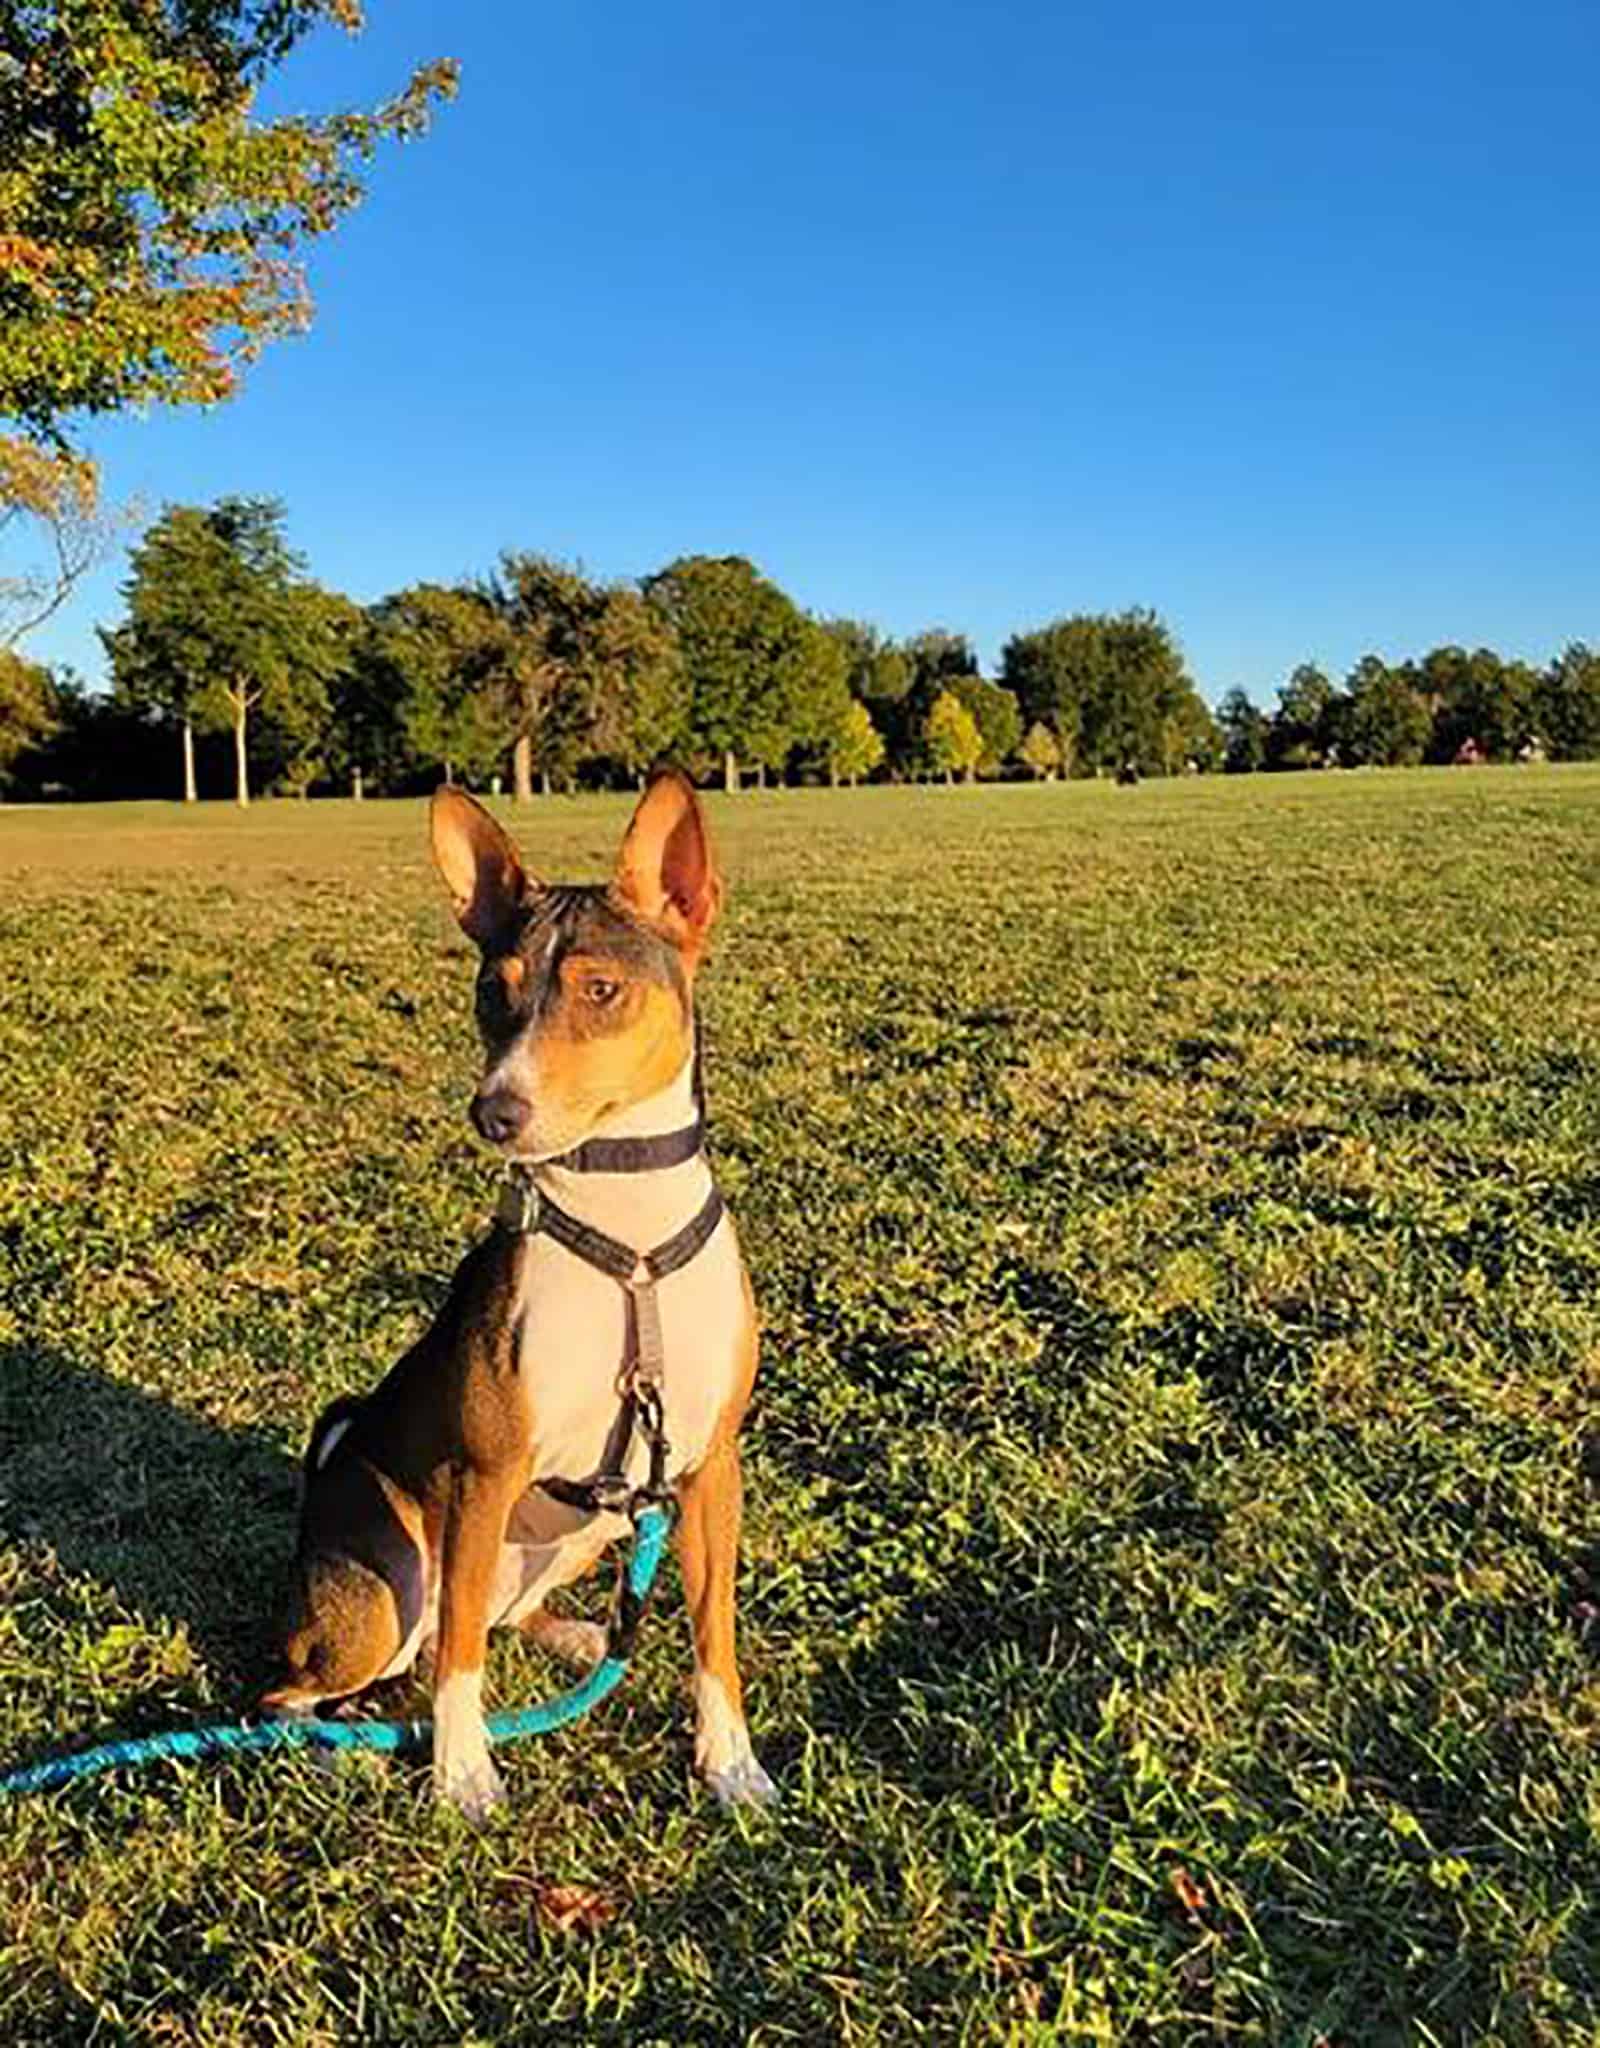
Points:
[(722, 1750), (471, 1785), (744, 1784)]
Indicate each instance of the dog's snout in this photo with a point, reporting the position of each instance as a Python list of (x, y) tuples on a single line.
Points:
[(500, 1115)]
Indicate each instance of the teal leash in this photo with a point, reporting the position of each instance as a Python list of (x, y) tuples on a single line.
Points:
[(240, 1738)]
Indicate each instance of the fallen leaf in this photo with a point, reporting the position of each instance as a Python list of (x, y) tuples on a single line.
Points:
[(573, 1908), (1189, 1895)]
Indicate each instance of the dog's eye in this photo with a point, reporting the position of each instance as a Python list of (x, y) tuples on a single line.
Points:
[(601, 992)]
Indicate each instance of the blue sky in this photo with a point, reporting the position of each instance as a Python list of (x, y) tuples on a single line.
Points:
[(1285, 321)]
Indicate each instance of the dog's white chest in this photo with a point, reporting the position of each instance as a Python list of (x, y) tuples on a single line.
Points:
[(572, 1344)]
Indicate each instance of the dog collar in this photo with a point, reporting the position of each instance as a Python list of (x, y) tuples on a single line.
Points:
[(632, 1155)]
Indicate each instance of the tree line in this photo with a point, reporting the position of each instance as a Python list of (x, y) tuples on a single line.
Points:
[(230, 662), (1449, 705)]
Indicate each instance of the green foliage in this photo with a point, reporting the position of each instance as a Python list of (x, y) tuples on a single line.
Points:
[(994, 712), (27, 707), (153, 224), (856, 747), (1111, 687), (1167, 1597), (220, 622), (1244, 733), (1191, 737), (1387, 723), (588, 669), (1567, 709), (641, 682), (422, 691), (1477, 697), (1448, 703), (761, 674), (1040, 751), (878, 671), (950, 738)]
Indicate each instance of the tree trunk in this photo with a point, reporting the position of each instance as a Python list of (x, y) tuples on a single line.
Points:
[(357, 786), (833, 775), (190, 793), (449, 775), (544, 781), (241, 765), (730, 769), (522, 769), (949, 779), (761, 775)]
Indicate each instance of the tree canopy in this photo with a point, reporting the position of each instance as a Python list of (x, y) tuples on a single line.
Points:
[(220, 622), (1112, 689), (154, 223)]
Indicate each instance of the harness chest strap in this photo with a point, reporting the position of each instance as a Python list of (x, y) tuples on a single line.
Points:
[(526, 1212)]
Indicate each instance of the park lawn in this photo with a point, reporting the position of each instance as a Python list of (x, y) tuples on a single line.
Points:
[(1172, 1579)]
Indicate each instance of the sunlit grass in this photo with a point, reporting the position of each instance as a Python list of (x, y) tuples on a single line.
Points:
[(1171, 1580)]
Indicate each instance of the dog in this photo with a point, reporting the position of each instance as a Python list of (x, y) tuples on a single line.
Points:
[(556, 1388)]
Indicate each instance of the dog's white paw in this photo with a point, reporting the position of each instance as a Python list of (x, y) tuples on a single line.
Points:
[(746, 1784), (471, 1785), (463, 1774), (722, 1750)]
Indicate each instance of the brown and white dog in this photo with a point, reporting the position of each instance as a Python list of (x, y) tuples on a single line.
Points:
[(423, 1521)]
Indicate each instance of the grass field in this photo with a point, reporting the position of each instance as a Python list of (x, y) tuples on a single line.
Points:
[(1172, 1586)]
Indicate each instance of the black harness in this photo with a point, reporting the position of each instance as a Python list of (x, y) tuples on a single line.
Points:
[(525, 1211)]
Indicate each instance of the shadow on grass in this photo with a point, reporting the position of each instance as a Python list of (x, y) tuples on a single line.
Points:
[(184, 1521)]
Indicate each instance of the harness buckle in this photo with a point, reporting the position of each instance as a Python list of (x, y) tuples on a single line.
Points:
[(518, 1206), (611, 1493)]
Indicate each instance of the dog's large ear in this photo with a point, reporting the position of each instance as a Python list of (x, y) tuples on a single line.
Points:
[(486, 880), (665, 870)]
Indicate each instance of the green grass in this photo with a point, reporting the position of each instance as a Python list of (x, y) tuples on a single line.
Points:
[(1172, 1563)]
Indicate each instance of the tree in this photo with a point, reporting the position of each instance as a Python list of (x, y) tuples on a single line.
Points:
[(1389, 722), (97, 747), (1244, 733), (56, 497), (994, 712), (1567, 704), (640, 680), (217, 627), (27, 708), (298, 739), (153, 226), (1299, 734), (153, 222), (811, 710), (423, 691), (546, 681), (1191, 737), (877, 671), (1477, 697), (749, 652), (1053, 671), (1111, 687), (855, 748), (951, 737), (1040, 751), (589, 668)]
